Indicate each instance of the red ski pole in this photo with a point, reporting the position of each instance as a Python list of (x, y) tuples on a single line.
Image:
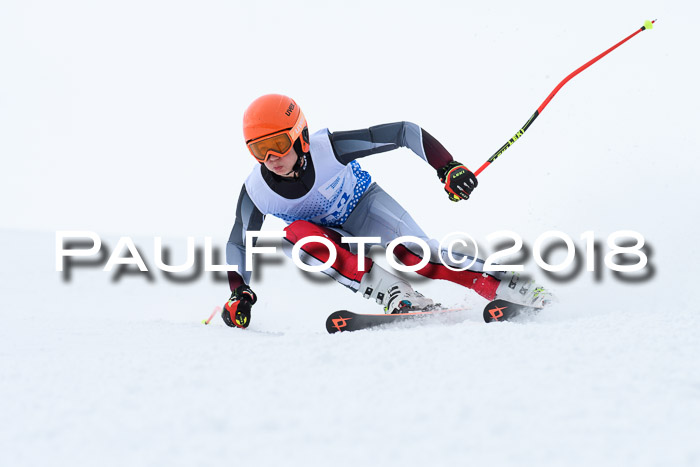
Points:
[(211, 316), (647, 25)]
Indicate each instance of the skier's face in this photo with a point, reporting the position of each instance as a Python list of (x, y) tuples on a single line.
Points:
[(282, 166)]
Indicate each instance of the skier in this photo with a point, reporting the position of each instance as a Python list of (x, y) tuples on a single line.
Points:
[(315, 184)]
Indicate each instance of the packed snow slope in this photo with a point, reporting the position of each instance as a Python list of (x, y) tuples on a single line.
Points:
[(125, 120), (98, 374)]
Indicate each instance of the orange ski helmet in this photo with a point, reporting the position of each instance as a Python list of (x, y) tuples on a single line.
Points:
[(272, 124)]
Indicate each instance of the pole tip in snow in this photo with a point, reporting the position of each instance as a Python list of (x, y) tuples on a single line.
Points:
[(648, 24), (217, 309)]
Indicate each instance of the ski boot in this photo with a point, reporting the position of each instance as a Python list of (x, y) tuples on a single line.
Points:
[(394, 293), (523, 291)]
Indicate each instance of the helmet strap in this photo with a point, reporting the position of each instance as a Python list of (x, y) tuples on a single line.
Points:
[(301, 156)]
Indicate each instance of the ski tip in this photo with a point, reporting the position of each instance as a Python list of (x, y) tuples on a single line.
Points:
[(338, 321), (502, 310), (494, 311)]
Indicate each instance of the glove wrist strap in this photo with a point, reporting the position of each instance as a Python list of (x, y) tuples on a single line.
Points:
[(444, 170)]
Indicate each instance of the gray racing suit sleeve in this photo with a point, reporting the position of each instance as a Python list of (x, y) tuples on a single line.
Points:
[(248, 217), (351, 145)]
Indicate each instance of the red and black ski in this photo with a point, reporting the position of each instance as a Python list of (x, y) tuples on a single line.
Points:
[(497, 310), (343, 320), (501, 310)]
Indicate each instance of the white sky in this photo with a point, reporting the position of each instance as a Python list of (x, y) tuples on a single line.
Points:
[(125, 117)]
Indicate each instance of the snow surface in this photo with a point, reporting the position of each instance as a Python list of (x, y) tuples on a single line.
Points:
[(125, 120)]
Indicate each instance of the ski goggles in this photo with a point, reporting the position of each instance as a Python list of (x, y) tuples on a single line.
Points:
[(277, 144)]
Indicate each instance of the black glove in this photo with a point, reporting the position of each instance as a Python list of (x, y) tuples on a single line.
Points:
[(459, 181), (236, 312)]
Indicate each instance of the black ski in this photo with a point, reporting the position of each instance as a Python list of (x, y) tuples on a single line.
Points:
[(343, 320), (501, 310)]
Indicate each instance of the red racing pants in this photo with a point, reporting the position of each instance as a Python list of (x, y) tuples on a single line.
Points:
[(345, 267)]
